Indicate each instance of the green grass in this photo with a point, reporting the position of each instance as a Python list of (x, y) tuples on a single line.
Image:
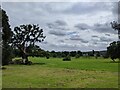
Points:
[(55, 73)]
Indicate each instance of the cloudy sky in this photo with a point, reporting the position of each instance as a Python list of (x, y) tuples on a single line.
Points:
[(67, 25)]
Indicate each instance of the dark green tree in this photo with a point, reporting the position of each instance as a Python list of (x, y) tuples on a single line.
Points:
[(6, 36), (72, 53), (25, 35), (114, 50)]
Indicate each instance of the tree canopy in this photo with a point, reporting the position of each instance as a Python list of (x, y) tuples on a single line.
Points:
[(114, 50), (25, 35)]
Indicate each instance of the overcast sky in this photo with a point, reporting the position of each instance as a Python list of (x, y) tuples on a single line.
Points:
[(67, 25)]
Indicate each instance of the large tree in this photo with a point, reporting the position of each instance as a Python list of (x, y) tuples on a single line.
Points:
[(6, 36), (114, 49), (25, 35)]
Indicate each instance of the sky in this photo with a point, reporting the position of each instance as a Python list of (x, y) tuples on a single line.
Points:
[(68, 26)]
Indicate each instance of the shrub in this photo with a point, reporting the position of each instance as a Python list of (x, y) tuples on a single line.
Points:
[(28, 63), (77, 56), (47, 57), (67, 58)]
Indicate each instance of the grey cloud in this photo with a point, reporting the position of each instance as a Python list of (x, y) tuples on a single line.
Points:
[(103, 28), (57, 33), (60, 23), (105, 39), (45, 42), (84, 41), (115, 8), (77, 38), (95, 43), (88, 7), (50, 25), (107, 34), (61, 41), (95, 36), (82, 26)]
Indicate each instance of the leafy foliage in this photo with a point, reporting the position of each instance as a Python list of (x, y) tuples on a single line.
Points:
[(114, 50), (26, 35)]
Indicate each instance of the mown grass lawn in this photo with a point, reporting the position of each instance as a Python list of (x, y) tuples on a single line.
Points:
[(55, 73)]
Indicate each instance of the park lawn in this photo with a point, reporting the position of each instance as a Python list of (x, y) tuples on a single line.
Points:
[(55, 73)]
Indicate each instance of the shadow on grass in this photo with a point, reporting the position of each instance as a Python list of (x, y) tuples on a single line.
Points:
[(112, 62), (38, 63)]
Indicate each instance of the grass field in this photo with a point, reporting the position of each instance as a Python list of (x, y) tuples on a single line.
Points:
[(55, 73)]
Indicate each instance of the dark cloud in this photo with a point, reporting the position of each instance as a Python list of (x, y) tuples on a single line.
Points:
[(58, 28), (84, 41), (77, 38), (103, 28), (107, 34), (105, 39), (58, 25), (57, 33), (95, 36), (82, 26), (94, 43), (61, 23), (62, 41), (50, 25)]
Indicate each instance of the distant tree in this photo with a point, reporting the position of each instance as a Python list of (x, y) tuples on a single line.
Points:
[(114, 50), (65, 53), (67, 58), (93, 52), (25, 35), (77, 56), (47, 54), (53, 54), (97, 54), (73, 53), (6, 36), (80, 53)]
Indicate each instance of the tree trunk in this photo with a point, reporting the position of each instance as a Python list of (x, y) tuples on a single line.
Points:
[(24, 55), (24, 58), (113, 59), (118, 35)]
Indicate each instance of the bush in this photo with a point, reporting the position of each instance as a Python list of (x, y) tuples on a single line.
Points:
[(47, 57), (28, 63), (77, 56), (67, 58)]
